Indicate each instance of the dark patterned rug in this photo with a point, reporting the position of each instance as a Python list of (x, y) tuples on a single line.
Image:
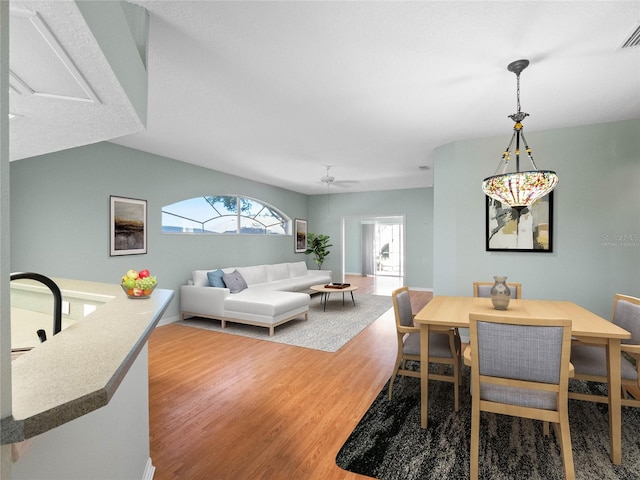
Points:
[(389, 444)]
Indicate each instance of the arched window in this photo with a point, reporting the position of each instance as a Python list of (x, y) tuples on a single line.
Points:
[(224, 214)]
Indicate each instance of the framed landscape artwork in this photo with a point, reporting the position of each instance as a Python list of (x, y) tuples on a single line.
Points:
[(300, 235), (530, 230), (128, 226)]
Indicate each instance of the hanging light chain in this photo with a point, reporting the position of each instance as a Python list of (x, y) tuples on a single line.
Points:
[(518, 90), (519, 115)]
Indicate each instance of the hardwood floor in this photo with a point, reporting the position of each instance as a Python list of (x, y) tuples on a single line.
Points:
[(382, 285), (229, 407)]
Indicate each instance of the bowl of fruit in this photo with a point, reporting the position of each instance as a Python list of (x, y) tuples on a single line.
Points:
[(138, 284)]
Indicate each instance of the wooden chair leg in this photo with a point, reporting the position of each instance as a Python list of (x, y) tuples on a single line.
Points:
[(565, 446), (545, 428), (475, 437), (456, 384)]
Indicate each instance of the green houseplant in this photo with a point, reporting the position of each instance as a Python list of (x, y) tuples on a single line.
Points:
[(318, 244)]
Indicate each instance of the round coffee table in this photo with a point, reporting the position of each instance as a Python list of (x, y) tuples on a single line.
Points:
[(326, 291)]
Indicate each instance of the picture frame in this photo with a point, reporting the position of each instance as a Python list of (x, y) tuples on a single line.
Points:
[(300, 235), (530, 230), (127, 226)]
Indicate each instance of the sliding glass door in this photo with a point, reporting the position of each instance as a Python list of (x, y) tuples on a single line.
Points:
[(388, 248)]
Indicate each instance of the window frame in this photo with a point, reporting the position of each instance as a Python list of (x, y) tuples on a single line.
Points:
[(240, 219)]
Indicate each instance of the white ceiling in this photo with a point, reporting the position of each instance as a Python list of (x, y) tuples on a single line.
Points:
[(63, 91), (275, 91)]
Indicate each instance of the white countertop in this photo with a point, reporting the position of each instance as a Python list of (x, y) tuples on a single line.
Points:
[(79, 370)]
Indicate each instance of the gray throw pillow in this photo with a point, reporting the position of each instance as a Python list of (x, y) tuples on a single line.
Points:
[(215, 278), (234, 281)]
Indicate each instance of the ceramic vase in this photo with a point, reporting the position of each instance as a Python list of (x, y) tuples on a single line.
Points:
[(500, 293)]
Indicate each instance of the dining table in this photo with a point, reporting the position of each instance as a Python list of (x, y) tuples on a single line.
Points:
[(453, 312)]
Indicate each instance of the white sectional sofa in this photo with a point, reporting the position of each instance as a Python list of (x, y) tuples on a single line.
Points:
[(274, 294)]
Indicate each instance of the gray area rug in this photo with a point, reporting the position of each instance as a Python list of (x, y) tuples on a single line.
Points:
[(389, 444), (327, 331)]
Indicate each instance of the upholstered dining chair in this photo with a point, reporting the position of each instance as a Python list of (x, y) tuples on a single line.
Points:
[(444, 346), (590, 361), (483, 289), (520, 367)]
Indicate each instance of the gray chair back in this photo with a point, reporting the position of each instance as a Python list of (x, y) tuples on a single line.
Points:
[(627, 315), (485, 291), (523, 350), (520, 352), (405, 314)]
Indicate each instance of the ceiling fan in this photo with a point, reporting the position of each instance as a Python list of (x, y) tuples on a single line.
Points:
[(330, 180)]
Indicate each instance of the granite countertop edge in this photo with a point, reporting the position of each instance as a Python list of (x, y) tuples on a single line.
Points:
[(80, 369)]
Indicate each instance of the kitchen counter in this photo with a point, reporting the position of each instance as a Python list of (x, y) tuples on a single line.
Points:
[(79, 370)]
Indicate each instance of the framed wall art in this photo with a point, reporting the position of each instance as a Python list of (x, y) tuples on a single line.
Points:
[(128, 226), (527, 230), (300, 235)]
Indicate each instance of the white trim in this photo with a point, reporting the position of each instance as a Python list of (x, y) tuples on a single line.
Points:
[(421, 289), (51, 40), (149, 470), (18, 85)]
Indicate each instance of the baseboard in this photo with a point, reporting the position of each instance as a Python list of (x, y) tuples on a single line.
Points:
[(149, 470), (421, 289)]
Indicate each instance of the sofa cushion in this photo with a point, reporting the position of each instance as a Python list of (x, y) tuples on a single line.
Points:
[(279, 271), (234, 281), (261, 302), (297, 269), (215, 278), (254, 274), (200, 278)]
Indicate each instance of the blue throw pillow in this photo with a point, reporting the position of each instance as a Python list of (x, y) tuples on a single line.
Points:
[(215, 278)]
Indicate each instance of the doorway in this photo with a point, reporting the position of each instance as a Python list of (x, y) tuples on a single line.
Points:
[(374, 246)]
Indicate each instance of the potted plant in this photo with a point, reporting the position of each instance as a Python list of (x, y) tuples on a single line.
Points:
[(319, 246)]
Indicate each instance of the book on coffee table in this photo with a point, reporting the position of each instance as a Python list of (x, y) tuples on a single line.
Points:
[(337, 285)]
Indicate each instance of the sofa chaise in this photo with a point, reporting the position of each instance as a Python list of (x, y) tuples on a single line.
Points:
[(263, 295)]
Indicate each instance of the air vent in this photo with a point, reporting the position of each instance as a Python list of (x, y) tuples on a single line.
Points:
[(634, 38)]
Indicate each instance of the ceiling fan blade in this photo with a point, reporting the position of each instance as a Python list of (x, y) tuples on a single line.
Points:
[(345, 183)]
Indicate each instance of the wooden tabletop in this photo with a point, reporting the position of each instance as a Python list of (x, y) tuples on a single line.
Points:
[(454, 312)]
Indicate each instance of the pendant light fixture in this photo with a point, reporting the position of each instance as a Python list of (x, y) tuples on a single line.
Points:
[(518, 189)]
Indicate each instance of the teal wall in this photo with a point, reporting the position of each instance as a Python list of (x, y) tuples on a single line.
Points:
[(353, 245), (416, 205), (60, 216), (60, 211), (596, 216)]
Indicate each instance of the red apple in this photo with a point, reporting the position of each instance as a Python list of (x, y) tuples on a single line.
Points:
[(143, 273)]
